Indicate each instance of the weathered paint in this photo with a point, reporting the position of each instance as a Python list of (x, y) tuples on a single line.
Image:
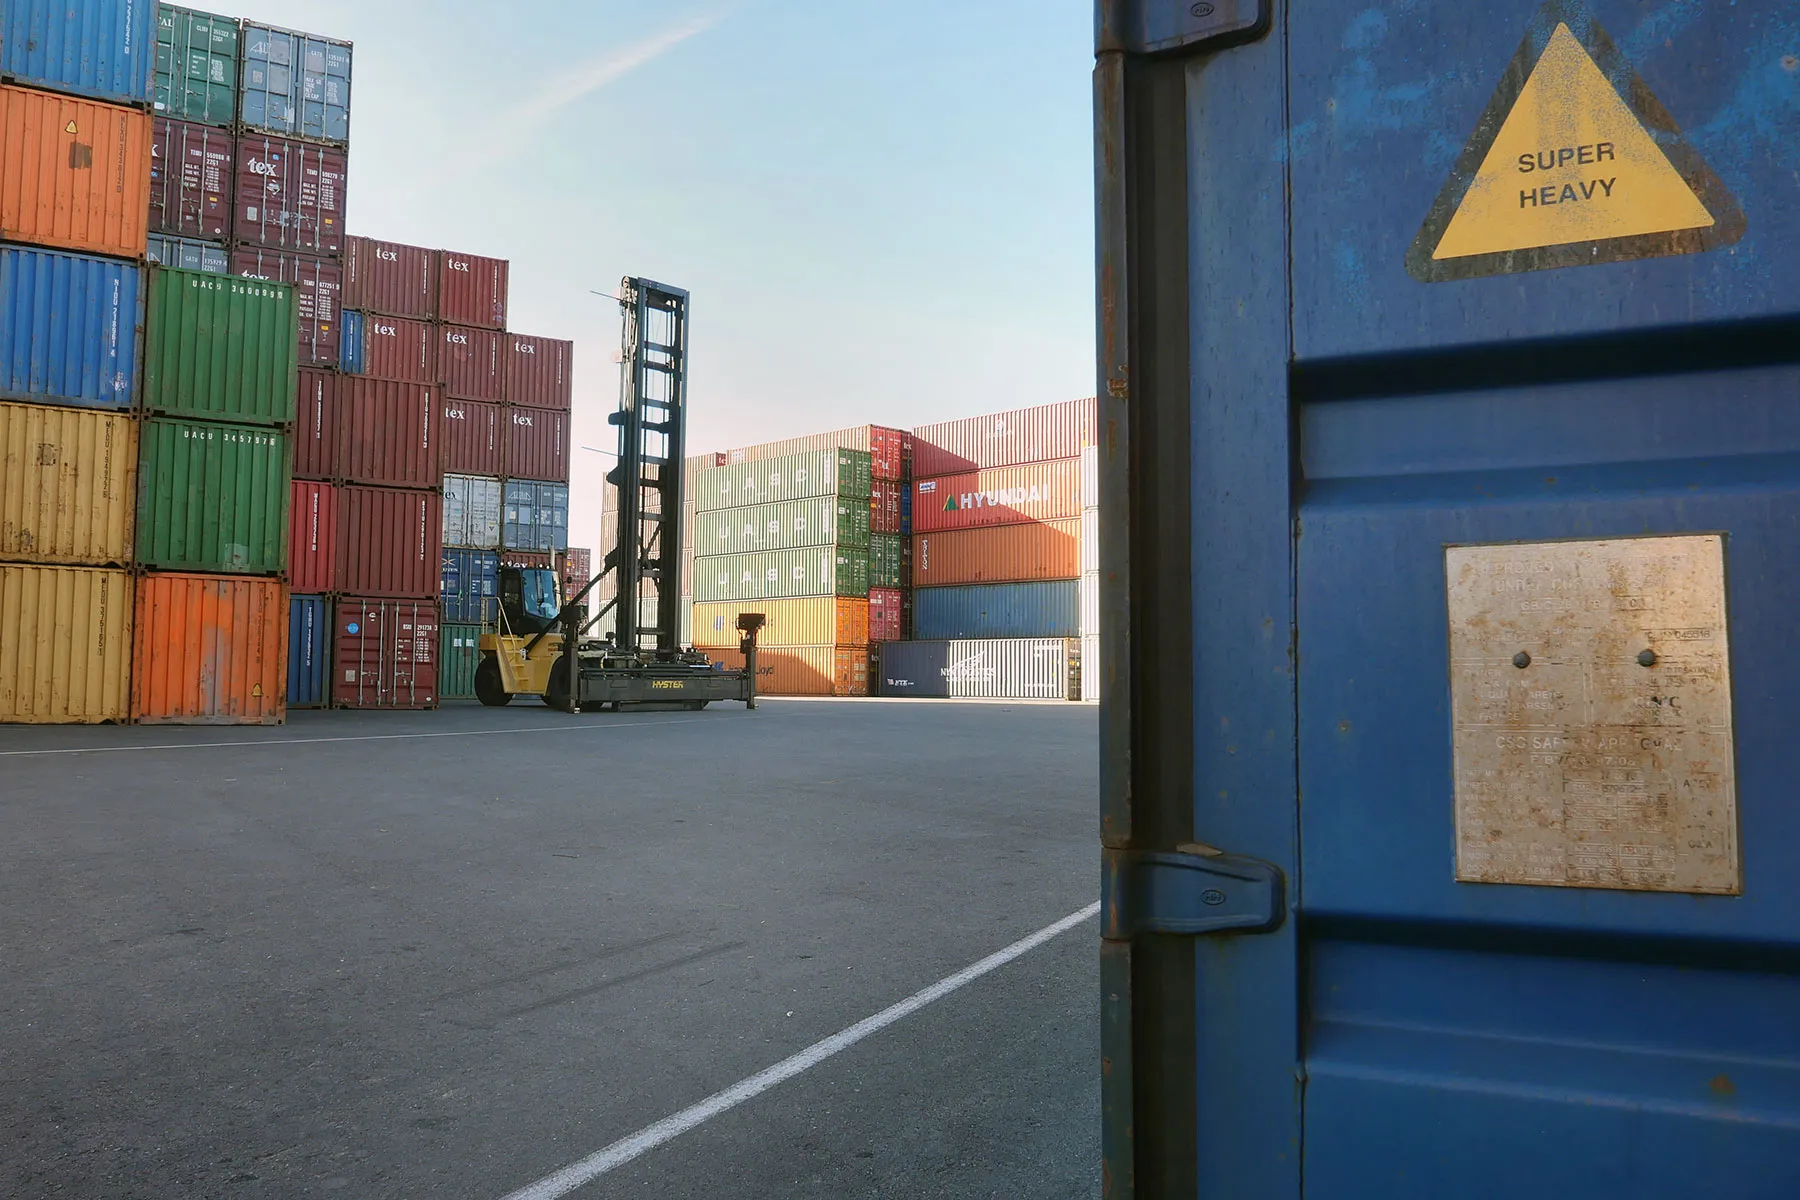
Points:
[(186, 254), (295, 84), (196, 66), (474, 434), (458, 655), (536, 444), (473, 511), (540, 372), (470, 363), (536, 516), (316, 424), (209, 650), (388, 348), (212, 497), (312, 537), (385, 654), (469, 581), (318, 284), (192, 170), (108, 51), (289, 195), (65, 645), (309, 651), (70, 328), (471, 290), (890, 561), (390, 542), (68, 485), (75, 175), (219, 347), (390, 278), (388, 433)]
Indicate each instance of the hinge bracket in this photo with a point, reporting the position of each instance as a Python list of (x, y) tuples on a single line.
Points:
[(1191, 893), (1165, 26)]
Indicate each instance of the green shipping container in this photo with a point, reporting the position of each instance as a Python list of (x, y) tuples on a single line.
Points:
[(790, 477), (220, 347), (782, 574), (459, 653), (887, 561), (212, 497), (789, 525), (196, 66)]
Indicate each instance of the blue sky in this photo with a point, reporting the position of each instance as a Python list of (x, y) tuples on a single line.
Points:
[(883, 211)]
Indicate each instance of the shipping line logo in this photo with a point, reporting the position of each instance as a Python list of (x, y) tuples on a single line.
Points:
[(392, 256), (970, 670), (1008, 497)]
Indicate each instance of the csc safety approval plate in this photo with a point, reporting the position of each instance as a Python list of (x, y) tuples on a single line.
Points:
[(1590, 686)]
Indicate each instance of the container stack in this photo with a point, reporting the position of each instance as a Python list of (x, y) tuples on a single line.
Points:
[(997, 557), (1090, 573)]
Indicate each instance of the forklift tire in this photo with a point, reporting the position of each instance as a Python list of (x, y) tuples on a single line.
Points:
[(488, 688), (556, 688)]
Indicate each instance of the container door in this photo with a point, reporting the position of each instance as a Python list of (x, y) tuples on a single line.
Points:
[(1449, 357)]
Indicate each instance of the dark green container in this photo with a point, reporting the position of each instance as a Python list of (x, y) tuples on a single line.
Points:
[(459, 653), (887, 560), (212, 497), (196, 66), (220, 347)]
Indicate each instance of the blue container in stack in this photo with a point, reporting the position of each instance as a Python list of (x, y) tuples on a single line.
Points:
[(70, 328), (470, 580), (309, 651), (998, 610), (105, 49)]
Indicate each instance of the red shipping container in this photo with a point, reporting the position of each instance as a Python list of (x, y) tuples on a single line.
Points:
[(1047, 491), (1025, 435), (318, 295), (540, 372), (316, 425), (290, 195), (890, 453), (473, 436), (389, 278), (209, 650), (385, 654), (577, 569), (887, 615), (390, 542), (389, 433), (884, 505), (537, 444), (396, 348), (312, 538), (471, 290), (469, 363), (193, 171)]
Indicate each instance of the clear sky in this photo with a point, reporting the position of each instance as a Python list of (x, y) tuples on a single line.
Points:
[(883, 211)]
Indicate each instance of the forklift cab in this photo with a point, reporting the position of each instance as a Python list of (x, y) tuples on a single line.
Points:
[(528, 600)]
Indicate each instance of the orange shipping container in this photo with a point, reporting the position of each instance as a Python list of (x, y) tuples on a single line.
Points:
[(1046, 491), (209, 650), (802, 670), (1002, 554), (74, 173)]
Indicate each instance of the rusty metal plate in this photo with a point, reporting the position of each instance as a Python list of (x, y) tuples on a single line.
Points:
[(1590, 686)]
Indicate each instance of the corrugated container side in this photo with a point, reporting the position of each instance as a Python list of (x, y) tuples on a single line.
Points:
[(390, 542), (802, 670), (1025, 435), (528, 560), (578, 568), (781, 574), (535, 516), (469, 580), (469, 362), (1090, 477), (212, 497), (827, 472), (106, 49), (318, 288), (884, 505), (296, 84), (390, 278), (389, 348), (385, 654), (890, 561), (987, 669), (890, 450), (220, 347), (209, 650), (70, 328), (998, 610), (474, 433), (309, 651), (540, 372), (1093, 679), (1000, 554), (888, 612), (65, 645), (787, 525), (289, 195), (471, 290), (388, 433), (312, 537), (68, 485), (75, 174), (820, 621), (316, 424), (537, 444), (1090, 540), (187, 254), (192, 171), (1090, 604), (196, 66), (1047, 491), (473, 510), (458, 655)]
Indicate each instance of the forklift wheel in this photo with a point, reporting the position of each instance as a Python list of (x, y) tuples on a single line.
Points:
[(556, 688), (488, 688)]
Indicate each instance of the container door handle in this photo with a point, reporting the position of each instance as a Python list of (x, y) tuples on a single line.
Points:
[(1196, 890)]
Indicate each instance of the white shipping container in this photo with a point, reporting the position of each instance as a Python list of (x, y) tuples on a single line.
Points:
[(1090, 540), (472, 512), (1090, 477), (1090, 668), (989, 669), (1090, 604)]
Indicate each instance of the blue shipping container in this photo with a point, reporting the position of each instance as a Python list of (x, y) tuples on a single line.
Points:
[(188, 254), (998, 610), (295, 84), (470, 577), (70, 328), (906, 499), (309, 651), (100, 48), (350, 343), (536, 516)]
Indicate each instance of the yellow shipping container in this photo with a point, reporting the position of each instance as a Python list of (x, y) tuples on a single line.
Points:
[(65, 645), (820, 621), (68, 485)]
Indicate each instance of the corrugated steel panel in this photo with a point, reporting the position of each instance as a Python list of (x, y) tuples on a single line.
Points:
[(212, 497), (985, 669), (998, 610), (469, 362), (535, 516), (187, 254), (884, 505), (316, 424), (788, 525), (802, 670), (388, 433), (318, 289), (474, 437), (473, 510), (209, 650), (295, 84), (309, 651), (537, 444), (906, 510), (193, 170), (890, 450), (68, 485), (889, 610), (1092, 679), (890, 561), (528, 560), (219, 347), (469, 580), (289, 195), (540, 372), (1047, 491), (390, 542), (70, 328), (196, 66), (106, 50), (312, 537), (1025, 435), (390, 278), (459, 654), (1001, 554), (1090, 604), (75, 174), (1090, 478), (65, 645), (820, 621), (578, 568), (471, 290), (791, 477), (385, 654), (389, 348), (782, 574), (1090, 540)]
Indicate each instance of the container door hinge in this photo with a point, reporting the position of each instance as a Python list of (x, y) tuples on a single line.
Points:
[(1169, 26), (1199, 892)]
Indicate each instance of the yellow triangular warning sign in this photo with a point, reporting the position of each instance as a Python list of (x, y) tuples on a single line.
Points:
[(1574, 163)]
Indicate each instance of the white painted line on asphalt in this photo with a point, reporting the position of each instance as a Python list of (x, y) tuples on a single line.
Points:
[(367, 737), (578, 1174)]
